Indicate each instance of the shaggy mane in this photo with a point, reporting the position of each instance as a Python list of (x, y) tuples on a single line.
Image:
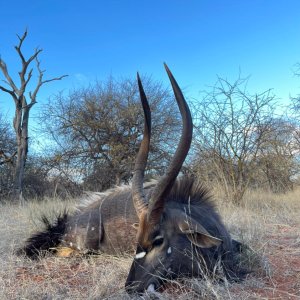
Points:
[(188, 190)]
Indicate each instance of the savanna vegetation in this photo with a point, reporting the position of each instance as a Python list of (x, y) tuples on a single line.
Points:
[(88, 137), (268, 224), (245, 149)]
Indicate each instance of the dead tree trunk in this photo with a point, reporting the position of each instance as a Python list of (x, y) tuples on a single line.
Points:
[(22, 108), (21, 128)]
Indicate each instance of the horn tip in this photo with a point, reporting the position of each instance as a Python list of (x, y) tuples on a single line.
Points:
[(168, 70), (166, 66)]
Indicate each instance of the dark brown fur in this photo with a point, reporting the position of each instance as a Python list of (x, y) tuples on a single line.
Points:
[(112, 216), (190, 200)]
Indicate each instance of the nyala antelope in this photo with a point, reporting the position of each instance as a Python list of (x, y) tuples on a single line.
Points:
[(171, 224)]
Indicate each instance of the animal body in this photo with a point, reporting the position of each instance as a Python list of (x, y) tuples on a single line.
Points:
[(171, 224)]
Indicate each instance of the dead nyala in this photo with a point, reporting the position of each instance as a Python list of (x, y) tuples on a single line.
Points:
[(171, 224)]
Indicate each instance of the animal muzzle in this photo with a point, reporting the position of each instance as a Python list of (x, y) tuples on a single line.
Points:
[(139, 287), (140, 279)]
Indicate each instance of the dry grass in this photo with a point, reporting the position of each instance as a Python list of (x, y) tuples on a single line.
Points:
[(256, 223)]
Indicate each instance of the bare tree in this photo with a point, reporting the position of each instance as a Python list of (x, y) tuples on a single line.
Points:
[(24, 101), (230, 131), (277, 162)]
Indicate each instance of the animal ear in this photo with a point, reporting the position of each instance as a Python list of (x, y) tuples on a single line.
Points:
[(197, 234), (135, 226)]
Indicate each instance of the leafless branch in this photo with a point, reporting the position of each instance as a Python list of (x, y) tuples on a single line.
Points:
[(22, 109), (4, 70), (41, 81), (18, 48)]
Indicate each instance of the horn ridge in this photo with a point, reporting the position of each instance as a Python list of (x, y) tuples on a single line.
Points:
[(142, 156), (163, 187)]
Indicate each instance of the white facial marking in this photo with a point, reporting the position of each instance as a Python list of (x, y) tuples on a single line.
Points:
[(158, 237), (71, 244), (140, 255), (169, 251), (151, 288), (78, 248), (93, 228)]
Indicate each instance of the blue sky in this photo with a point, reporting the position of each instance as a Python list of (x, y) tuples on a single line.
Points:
[(198, 39)]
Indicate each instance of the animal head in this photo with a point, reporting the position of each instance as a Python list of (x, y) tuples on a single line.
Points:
[(167, 232)]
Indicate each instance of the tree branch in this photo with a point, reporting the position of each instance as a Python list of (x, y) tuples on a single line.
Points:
[(6, 90), (4, 70), (18, 48), (41, 81)]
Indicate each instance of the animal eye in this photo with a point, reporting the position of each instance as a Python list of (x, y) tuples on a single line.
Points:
[(157, 241)]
